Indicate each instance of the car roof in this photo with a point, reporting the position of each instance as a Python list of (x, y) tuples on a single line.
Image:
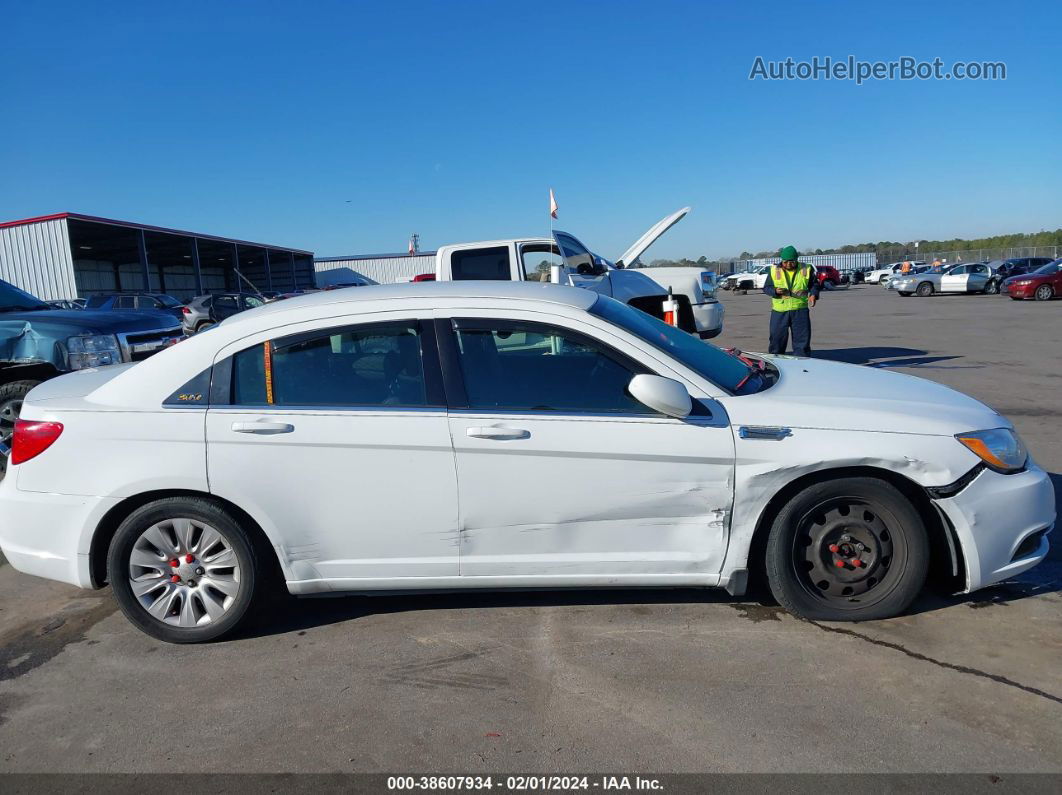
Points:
[(527, 291)]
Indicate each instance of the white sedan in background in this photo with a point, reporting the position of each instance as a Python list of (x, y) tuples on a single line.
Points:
[(501, 435)]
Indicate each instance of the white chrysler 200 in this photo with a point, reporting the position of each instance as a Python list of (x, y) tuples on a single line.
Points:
[(495, 435)]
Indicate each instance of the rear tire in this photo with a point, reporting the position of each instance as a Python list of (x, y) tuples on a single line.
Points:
[(828, 284), (204, 326), (925, 289), (868, 527), (1044, 292), (218, 574)]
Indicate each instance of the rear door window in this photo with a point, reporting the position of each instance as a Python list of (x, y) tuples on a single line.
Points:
[(372, 365), (490, 264)]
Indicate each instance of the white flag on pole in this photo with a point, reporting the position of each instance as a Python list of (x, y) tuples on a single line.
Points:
[(552, 204)]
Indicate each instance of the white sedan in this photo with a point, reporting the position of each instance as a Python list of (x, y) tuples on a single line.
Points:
[(498, 435)]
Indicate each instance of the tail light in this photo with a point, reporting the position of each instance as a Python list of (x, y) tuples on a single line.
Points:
[(186, 310), (424, 277), (31, 438)]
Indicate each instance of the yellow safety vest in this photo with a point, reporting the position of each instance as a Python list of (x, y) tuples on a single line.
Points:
[(796, 282)]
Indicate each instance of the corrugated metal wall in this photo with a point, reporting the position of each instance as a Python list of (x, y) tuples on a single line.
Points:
[(375, 270), (843, 262), (36, 258)]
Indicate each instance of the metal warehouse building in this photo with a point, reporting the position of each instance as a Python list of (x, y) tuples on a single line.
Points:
[(70, 255), (373, 268)]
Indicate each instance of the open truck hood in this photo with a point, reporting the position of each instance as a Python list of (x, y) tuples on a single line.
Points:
[(650, 237)]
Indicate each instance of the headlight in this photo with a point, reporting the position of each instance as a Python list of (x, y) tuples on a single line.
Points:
[(1022, 283), (1000, 448), (92, 350)]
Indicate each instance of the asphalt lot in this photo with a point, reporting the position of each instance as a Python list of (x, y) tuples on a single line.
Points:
[(604, 681)]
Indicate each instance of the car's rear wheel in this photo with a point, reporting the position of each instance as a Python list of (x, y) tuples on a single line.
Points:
[(925, 289), (828, 284), (183, 570), (1044, 292), (992, 288), (850, 549), (204, 326)]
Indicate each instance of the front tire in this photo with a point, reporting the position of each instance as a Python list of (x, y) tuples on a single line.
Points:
[(850, 549), (925, 289), (183, 570), (992, 288), (1044, 292), (828, 285)]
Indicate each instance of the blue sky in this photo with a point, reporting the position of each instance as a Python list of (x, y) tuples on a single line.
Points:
[(342, 127)]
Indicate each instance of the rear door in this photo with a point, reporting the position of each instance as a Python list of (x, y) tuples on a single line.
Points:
[(562, 475), (335, 436)]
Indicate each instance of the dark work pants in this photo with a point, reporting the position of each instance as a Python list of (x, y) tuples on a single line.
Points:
[(799, 320)]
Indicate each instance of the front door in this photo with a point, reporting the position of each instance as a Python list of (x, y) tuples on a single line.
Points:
[(336, 437), (954, 281), (563, 475)]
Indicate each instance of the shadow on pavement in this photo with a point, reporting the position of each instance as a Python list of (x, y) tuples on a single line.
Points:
[(872, 356)]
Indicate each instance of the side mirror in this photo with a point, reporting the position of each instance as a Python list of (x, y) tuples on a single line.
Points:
[(661, 394)]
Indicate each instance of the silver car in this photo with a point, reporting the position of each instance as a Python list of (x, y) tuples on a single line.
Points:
[(970, 277)]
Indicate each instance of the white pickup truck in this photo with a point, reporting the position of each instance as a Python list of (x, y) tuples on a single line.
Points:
[(565, 260)]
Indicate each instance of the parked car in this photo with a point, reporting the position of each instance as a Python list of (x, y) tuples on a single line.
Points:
[(39, 342), (1015, 266), (158, 302), (879, 275), (553, 438), (753, 279), (888, 282), (973, 277), (829, 277), (67, 303), (205, 311), (1043, 284)]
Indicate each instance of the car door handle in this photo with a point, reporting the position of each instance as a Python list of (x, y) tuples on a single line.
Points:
[(499, 434), (262, 427)]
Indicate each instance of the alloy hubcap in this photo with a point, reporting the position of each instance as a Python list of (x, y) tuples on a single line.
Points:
[(843, 550), (184, 572), (9, 412)]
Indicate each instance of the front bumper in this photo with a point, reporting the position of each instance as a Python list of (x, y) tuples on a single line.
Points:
[(994, 515), (708, 318), (1018, 291), (49, 535)]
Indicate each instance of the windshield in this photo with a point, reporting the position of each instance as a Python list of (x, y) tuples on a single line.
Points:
[(13, 299), (168, 301), (1049, 268), (720, 368)]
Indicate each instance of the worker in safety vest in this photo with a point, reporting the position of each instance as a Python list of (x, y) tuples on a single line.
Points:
[(793, 288)]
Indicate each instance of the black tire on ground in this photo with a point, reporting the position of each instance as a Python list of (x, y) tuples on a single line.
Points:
[(992, 288), (198, 509), (204, 326), (925, 289), (1044, 293), (824, 524), (881, 279), (904, 294), (828, 284)]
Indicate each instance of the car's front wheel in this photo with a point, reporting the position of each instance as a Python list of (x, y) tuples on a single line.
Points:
[(883, 279), (925, 289), (1044, 292), (850, 549), (183, 570), (828, 284), (992, 288)]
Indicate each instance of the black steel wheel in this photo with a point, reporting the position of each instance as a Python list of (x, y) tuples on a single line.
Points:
[(851, 549), (925, 289)]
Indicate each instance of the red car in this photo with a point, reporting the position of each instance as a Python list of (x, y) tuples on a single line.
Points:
[(829, 276), (1043, 284)]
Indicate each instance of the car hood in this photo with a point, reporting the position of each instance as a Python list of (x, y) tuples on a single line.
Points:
[(629, 256), (815, 393), (87, 321), (1025, 277)]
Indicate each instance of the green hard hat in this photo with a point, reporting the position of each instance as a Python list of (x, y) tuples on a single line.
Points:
[(788, 253)]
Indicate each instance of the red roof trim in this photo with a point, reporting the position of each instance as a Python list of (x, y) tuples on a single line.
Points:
[(148, 228), (37, 220)]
